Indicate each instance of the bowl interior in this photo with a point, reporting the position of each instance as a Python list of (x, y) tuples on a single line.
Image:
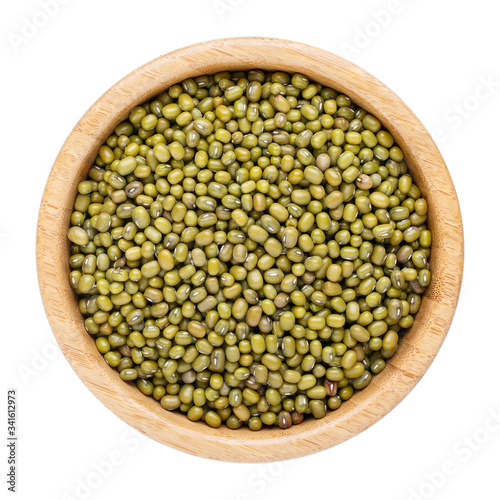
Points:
[(417, 347)]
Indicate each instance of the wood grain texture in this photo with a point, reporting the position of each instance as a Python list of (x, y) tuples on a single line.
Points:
[(418, 347)]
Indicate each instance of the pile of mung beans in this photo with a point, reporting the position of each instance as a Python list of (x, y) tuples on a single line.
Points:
[(248, 248)]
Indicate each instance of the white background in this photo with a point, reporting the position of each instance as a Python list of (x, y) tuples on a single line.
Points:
[(436, 56)]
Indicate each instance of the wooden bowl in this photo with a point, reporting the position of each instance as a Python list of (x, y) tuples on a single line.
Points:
[(417, 348)]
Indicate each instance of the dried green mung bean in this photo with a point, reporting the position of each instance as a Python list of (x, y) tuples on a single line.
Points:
[(249, 248)]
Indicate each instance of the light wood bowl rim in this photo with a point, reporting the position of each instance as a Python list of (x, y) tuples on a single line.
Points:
[(417, 348)]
